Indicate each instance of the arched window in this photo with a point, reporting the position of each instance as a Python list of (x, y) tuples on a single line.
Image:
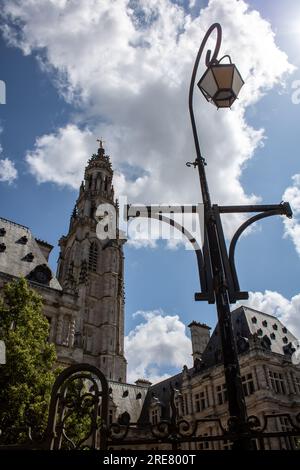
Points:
[(93, 256)]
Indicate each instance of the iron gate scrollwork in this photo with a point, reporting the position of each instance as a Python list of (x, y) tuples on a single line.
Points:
[(78, 420), (78, 412)]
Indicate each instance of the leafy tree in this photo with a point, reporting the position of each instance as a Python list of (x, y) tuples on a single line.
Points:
[(27, 377)]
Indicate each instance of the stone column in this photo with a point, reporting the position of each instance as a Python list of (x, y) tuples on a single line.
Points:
[(59, 329), (72, 332)]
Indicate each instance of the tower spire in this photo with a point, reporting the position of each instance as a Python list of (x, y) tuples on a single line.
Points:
[(101, 151), (95, 270)]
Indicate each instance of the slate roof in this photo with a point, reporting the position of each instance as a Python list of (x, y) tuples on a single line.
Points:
[(128, 398), (248, 322), (14, 251), (160, 392)]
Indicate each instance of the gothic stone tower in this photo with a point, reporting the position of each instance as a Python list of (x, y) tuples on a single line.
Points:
[(93, 270)]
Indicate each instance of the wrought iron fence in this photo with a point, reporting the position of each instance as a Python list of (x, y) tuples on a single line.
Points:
[(78, 419)]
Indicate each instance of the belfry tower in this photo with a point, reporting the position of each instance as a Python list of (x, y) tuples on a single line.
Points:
[(93, 270)]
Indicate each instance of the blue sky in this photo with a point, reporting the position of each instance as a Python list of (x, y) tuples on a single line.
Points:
[(127, 80)]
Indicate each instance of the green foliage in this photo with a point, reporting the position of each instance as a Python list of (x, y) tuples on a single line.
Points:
[(78, 422), (27, 377)]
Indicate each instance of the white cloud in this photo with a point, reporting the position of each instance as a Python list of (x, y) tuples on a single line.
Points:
[(292, 226), (8, 172), (288, 311), (60, 157), (127, 65), (157, 343)]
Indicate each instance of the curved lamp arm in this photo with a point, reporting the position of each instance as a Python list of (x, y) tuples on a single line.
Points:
[(282, 209), (208, 60)]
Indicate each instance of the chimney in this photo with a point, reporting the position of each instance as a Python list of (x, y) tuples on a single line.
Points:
[(143, 383), (200, 338)]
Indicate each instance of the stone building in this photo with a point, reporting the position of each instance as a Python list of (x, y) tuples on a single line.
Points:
[(85, 302), (271, 381), (84, 305)]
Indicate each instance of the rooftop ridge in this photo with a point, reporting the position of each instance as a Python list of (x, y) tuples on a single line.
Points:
[(42, 242), (258, 311), (124, 384), (14, 223)]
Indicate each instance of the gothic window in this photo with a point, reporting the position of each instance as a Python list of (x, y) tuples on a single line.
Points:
[(93, 255)]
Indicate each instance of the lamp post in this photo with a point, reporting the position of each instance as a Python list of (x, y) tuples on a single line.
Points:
[(220, 85)]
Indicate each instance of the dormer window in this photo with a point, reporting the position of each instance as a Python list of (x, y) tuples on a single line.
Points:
[(23, 240), (155, 411), (2, 247), (2, 232), (29, 257), (254, 320), (266, 343), (265, 323), (155, 415)]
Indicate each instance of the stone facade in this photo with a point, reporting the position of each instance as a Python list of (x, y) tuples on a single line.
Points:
[(93, 270), (85, 302), (85, 308), (271, 381)]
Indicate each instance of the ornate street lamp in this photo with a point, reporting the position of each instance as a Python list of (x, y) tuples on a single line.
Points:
[(221, 83)]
